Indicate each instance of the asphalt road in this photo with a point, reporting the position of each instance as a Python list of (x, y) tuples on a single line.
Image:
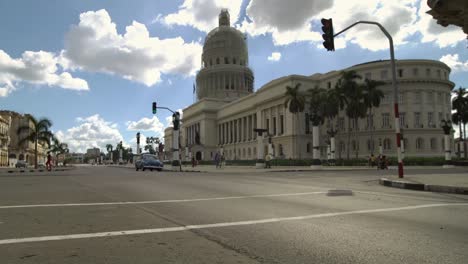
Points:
[(118, 215)]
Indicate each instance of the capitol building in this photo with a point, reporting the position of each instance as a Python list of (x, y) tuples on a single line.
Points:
[(228, 109)]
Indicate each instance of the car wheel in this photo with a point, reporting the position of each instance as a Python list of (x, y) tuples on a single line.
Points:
[(159, 169), (136, 169), (143, 169), (151, 169)]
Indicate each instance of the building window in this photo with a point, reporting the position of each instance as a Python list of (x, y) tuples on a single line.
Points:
[(307, 127), (445, 75), (255, 151), (226, 60), (433, 143), (234, 61), (428, 72), (329, 85), (341, 147), (430, 97), (217, 60), (249, 152), (281, 124), (405, 144), (419, 143), (385, 120), (370, 121), (400, 72), (308, 147), (384, 75), (274, 125), (280, 149), (370, 145), (211, 62), (387, 144), (402, 119), (415, 71), (438, 74), (341, 123), (368, 76), (417, 98), (417, 120), (430, 119), (268, 125)]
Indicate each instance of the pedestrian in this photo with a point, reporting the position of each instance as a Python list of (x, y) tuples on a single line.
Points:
[(193, 161), (217, 159), (49, 162), (372, 160), (223, 161), (267, 161)]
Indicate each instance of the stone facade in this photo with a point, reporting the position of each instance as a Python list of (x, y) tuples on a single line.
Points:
[(24, 151), (4, 140), (217, 123)]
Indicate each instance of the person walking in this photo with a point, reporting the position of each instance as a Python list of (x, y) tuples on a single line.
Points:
[(217, 159), (267, 161), (49, 162)]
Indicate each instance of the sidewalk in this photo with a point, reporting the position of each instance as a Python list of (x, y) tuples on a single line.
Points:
[(446, 183), (25, 170)]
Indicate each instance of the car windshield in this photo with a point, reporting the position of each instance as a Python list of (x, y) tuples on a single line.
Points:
[(148, 157)]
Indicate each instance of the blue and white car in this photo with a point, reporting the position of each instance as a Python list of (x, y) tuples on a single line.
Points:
[(148, 161)]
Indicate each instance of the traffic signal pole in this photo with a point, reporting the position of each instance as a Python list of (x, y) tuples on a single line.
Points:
[(395, 90)]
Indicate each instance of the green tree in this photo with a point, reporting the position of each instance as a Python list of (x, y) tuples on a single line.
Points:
[(295, 102), (317, 116), (355, 107), (35, 131), (372, 98), (150, 149), (58, 148), (334, 102), (460, 117)]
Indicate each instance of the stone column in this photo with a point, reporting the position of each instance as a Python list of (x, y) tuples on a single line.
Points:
[(448, 156), (260, 152)]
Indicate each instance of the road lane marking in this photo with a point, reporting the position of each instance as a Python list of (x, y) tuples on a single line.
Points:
[(162, 201), (215, 225)]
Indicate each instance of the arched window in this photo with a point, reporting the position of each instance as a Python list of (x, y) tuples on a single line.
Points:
[(433, 143), (419, 143), (226, 60), (249, 152), (387, 144), (243, 153)]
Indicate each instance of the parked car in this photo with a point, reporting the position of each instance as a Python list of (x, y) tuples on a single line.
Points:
[(21, 164), (148, 161)]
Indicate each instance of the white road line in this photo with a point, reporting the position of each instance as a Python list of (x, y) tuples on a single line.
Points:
[(226, 224), (161, 201)]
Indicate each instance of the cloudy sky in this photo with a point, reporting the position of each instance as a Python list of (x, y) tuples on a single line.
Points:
[(94, 67)]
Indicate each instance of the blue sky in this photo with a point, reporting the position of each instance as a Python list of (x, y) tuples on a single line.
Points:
[(94, 67)]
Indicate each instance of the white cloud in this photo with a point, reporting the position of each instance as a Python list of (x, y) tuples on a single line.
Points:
[(134, 55), (290, 21), (92, 131), (454, 62), (36, 67), (202, 14), (433, 32), (275, 56), (146, 124)]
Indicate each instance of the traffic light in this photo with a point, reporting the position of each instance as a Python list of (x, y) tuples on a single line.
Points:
[(327, 29), (138, 137), (176, 120), (155, 108)]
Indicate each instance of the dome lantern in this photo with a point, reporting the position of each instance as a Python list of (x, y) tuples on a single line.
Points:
[(224, 18)]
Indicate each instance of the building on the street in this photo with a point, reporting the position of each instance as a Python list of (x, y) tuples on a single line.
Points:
[(227, 109), (93, 152), (75, 158), (4, 140), (24, 151)]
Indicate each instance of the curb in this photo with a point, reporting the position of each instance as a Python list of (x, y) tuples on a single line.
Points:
[(423, 187), (31, 170)]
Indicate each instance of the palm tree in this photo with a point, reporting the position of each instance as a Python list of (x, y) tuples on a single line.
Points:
[(295, 102), (58, 148), (109, 148), (460, 104), (355, 107), (317, 116), (372, 98), (36, 131), (334, 102)]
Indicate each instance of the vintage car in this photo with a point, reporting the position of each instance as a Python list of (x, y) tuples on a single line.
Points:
[(148, 161)]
